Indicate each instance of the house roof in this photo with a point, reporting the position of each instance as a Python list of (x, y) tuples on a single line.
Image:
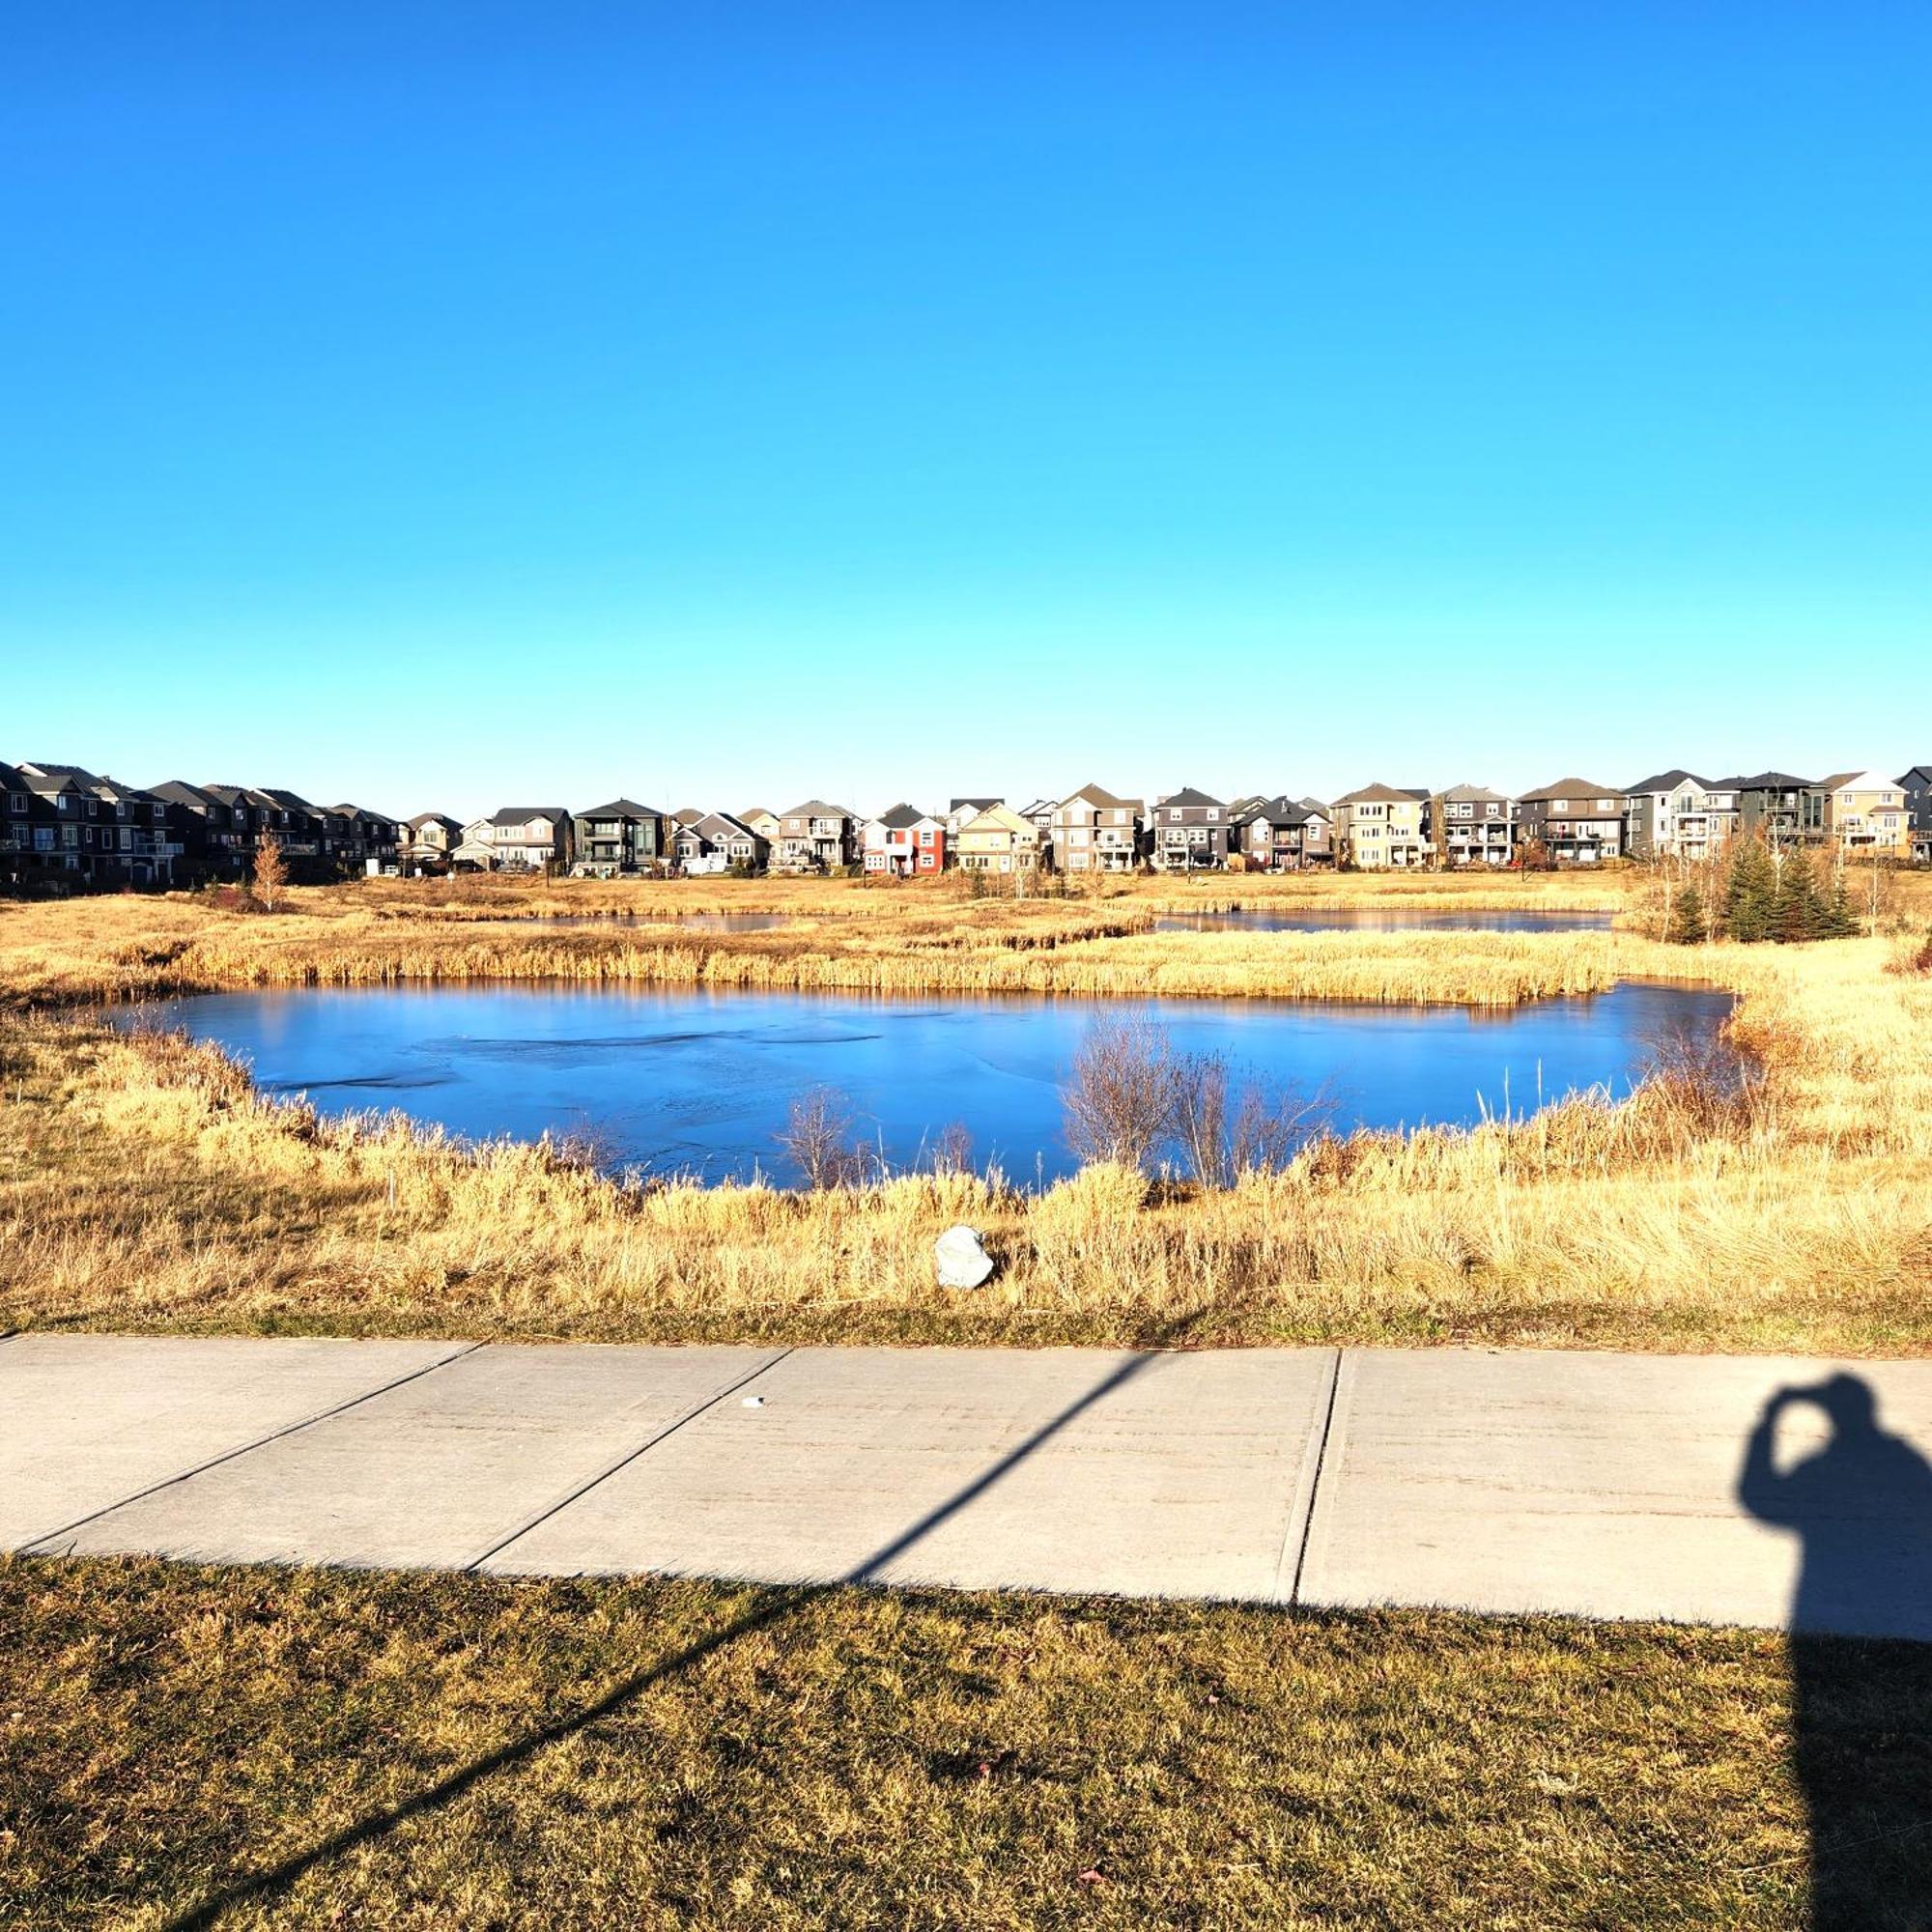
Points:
[(522, 815), (899, 817), (77, 775), (1315, 807), (1838, 779), (1917, 772), (424, 818), (1379, 794), (1763, 782), (363, 811), (1188, 796), (752, 811), (976, 804), (816, 808), (1098, 795), (1669, 781), (1003, 818), (288, 801), (714, 826), (12, 780), (621, 808), (1474, 794), (1570, 789), (1281, 810), (1040, 807), (178, 791)]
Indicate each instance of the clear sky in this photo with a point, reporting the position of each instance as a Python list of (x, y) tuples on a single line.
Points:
[(441, 409)]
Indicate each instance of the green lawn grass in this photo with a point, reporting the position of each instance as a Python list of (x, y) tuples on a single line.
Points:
[(857, 1759)]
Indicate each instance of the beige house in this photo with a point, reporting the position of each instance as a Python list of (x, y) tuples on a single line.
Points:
[(1094, 832), (757, 820), (1865, 811), (998, 841), (1382, 827)]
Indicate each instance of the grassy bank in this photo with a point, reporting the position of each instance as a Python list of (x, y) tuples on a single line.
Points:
[(144, 1185), (863, 1759)]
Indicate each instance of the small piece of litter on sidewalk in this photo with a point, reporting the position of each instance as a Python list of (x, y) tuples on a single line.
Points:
[(755, 1402)]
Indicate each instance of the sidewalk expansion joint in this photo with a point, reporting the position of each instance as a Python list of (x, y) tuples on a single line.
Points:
[(38, 1546), (622, 1462), (1319, 1463)]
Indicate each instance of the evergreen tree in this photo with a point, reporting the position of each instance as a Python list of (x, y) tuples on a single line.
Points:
[(1750, 890), (1841, 920), (1686, 925), (1798, 909)]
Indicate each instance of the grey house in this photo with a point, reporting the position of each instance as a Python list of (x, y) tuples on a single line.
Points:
[(1280, 834), (1577, 821), (620, 840), (1916, 785), (1190, 831), (1092, 831), (817, 836), (1470, 825), (1783, 810)]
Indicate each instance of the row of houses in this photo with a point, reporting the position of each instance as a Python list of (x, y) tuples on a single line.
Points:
[(67, 822)]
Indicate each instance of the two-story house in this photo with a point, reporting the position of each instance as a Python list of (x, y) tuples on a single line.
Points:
[(1576, 821), (816, 837), (1669, 817), (1382, 827), (998, 840), (1774, 805), (619, 841), (1470, 825), (904, 842), (425, 842), (1039, 814), (1092, 831), (716, 843), (761, 823), (524, 837), (1190, 832), (1278, 835), (1096, 832), (1916, 785), (1864, 811)]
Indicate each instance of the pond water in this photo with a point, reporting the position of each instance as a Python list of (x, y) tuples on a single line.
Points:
[(1383, 918), (674, 1080)]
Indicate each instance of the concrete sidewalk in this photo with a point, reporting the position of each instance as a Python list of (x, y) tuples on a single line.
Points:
[(1615, 1486)]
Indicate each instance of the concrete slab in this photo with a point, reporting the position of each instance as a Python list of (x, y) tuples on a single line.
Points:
[(1626, 1486), (438, 1472), (87, 1421), (1057, 1469)]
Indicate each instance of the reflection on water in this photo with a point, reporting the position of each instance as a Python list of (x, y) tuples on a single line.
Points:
[(674, 1079)]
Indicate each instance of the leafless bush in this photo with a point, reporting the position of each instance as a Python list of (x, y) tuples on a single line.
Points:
[(1119, 1102), (1224, 1128), (1708, 1082), (819, 1141), (953, 1149)]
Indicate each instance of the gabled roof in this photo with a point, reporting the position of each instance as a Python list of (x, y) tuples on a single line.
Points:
[(1377, 794), (899, 817), (1315, 807), (974, 804), (1187, 796), (1570, 789), (1005, 819), (1099, 796), (1838, 779), (1669, 781), (752, 811), (363, 811), (816, 808), (288, 801), (178, 791), (76, 774), (1281, 810), (1763, 782), (424, 818), (1917, 772), (687, 814), (713, 827), (12, 780), (522, 815), (621, 808), (1040, 807), (1474, 794)]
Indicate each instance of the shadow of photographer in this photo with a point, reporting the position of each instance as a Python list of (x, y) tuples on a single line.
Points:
[(1860, 1505)]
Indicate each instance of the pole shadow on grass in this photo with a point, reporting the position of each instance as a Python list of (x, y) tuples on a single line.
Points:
[(1862, 1692), (262, 1886)]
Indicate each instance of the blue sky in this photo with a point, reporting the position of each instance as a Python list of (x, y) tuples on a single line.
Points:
[(440, 407)]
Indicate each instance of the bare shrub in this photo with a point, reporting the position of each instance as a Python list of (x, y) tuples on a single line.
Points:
[(272, 875), (953, 1149), (818, 1139), (1224, 1128), (1706, 1084), (1119, 1102)]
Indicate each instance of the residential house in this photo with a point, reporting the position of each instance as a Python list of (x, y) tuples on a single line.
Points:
[(1865, 811), (960, 811), (1040, 815), (716, 843), (1190, 832), (998, 841), (686, 815), (1470, 825), (363, 840), (101, 832), (1382, 827), (620, 840), (1576, 821), (1277, 835), (1780, 809), (523, 837), (204, 826), (757, 820), (816, 837), (20, 811), (1092, 831), (905, 842), (1670, 815), (1916, 785), (425, 842)]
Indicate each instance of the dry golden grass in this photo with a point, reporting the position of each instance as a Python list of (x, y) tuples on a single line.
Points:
[(671, 1754), (144, 1185)]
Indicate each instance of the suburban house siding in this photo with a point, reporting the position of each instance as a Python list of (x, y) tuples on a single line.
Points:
[(1577, 821), (1382, 827), (1092, 831), (1470, 825), (620, 839), (1190, 832), (1865, 811), (1916, 785), (816, 837), (998, 841)]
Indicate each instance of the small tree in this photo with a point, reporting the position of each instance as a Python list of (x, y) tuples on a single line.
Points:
[(1688, 925), (1120, 1101), (1798, 909), (272, 875), (1750, 887)]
